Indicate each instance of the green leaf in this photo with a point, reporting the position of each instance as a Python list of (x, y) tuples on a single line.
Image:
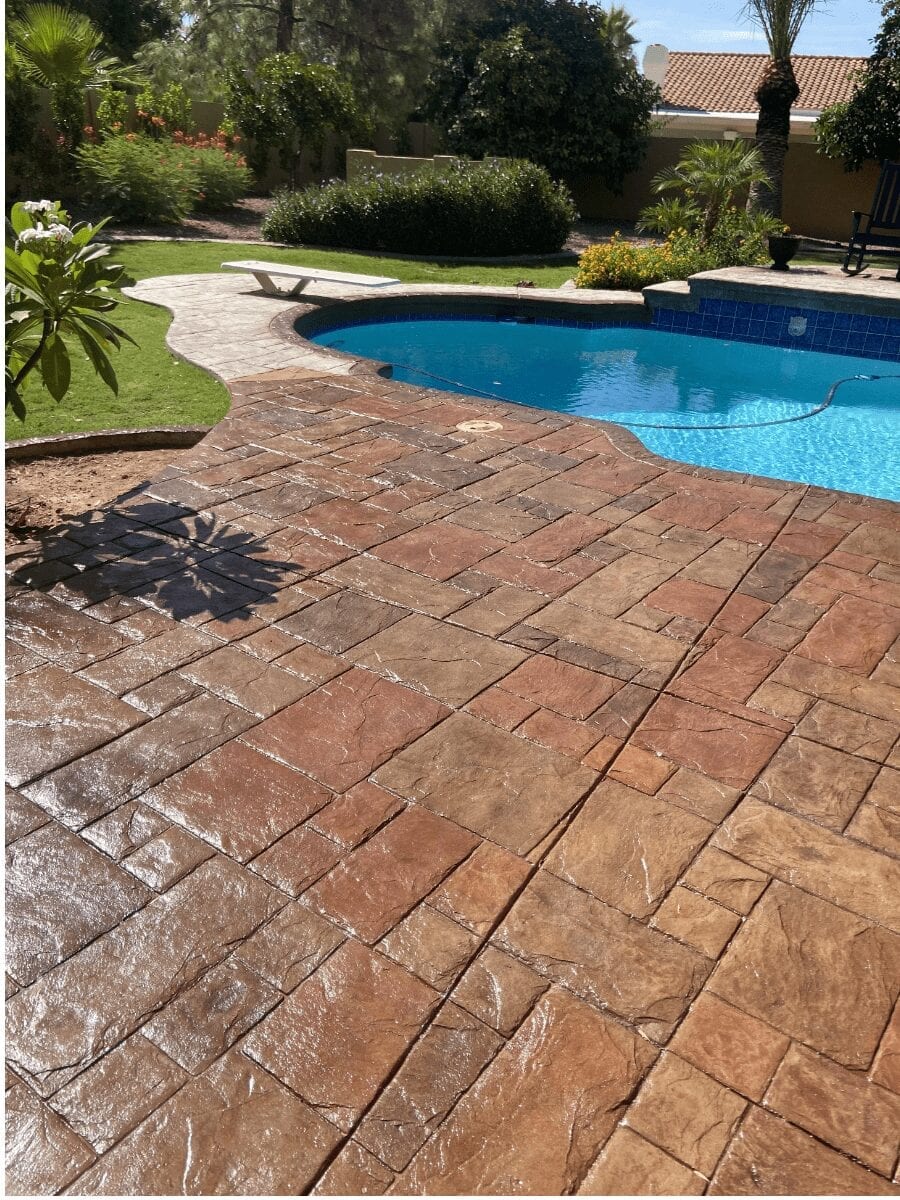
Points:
[(99, 359), (19, 219), (55, 367)]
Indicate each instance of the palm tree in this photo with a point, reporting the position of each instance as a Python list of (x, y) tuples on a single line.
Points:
[(708, 176), (616, 24), (59, 50), (781, 22)]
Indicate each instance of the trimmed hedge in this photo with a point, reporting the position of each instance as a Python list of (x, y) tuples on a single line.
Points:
[(479, 210)]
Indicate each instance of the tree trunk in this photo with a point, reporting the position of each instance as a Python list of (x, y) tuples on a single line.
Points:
[(776, 93), (284, 28)]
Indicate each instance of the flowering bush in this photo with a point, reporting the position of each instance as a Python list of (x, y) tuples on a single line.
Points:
[(158, 113), (222, 176), (57, 287), (620, 264), (112, 112), (137, 180), (147, 181), (739, 239)]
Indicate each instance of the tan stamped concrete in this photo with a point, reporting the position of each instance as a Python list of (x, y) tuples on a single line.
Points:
[(399, 809)]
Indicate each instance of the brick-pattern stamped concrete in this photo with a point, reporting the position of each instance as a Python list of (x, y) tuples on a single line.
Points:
[(396, 809)]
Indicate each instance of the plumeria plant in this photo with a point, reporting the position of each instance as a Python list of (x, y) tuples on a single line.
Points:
[(57, 286)]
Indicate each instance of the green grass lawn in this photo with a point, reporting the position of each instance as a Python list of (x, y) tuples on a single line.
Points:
[(155, 388)]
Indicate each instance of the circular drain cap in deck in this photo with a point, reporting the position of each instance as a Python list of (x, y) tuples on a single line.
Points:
[(479, 426)]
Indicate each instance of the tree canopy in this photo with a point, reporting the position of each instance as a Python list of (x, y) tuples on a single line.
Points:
[(548, 80), (867, 126), (126, 24), (287, 104), (385, 48)]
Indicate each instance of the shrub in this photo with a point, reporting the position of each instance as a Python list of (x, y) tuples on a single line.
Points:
[(137, 180), (57, 288), (620, 264), (480, 209), (739, 239), (144, 181), (112, 111), (222, 176)]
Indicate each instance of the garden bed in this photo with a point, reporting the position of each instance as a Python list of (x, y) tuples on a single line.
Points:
[(42, 493)]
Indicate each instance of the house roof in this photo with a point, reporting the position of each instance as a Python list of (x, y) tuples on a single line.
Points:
[(711, 82)]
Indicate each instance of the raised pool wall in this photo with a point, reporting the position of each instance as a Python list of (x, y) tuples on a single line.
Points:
[(804, 309)]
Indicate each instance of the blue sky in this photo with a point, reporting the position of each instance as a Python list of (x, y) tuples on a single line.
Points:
[(841, 27)]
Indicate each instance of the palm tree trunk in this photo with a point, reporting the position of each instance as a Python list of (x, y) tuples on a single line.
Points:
[(776, 93)]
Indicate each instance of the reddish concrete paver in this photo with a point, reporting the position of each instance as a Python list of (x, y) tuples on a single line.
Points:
[(406, 809)]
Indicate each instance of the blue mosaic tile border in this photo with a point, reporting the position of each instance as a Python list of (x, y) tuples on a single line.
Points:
[(771, 324), (439, 314), (730, 320)]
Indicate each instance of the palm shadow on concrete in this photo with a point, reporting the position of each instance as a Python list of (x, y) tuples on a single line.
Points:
[(191, 566)]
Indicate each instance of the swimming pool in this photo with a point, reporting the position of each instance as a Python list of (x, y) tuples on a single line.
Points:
[(758, 409)]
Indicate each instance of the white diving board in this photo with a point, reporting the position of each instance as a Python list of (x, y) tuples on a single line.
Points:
[(265, 274)]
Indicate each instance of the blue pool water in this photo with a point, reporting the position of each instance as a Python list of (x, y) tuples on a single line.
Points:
[(671, 389)]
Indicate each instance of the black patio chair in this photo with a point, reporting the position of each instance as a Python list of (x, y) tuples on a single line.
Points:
[(878, 231)]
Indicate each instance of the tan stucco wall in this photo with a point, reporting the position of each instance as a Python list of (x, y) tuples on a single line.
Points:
[(819, 195)]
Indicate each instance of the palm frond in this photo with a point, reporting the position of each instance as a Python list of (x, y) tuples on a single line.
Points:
[(780, 21)]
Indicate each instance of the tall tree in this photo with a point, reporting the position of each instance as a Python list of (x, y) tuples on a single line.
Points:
[(386, 48), (541, 79), (867, 126), (781, 22), (126, 24)]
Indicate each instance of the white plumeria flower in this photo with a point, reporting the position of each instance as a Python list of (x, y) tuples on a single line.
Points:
[(38, 206), (60, 233)]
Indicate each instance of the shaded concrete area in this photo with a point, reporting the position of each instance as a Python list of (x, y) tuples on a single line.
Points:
[(402, 809)]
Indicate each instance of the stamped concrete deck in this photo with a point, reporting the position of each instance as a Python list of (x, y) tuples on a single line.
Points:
[(404, 809)]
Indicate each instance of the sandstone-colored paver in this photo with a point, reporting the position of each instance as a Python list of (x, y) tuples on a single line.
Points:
[(686, 1112), (397, 808), (524, 1118), (338, 1069), (628, 849), (632, 1166), (770, 1157), (491, 782), (833, 992), (232, 1131), (838, 1106), (727, 1043)]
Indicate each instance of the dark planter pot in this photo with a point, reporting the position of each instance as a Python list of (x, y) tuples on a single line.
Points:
[(781, 250)]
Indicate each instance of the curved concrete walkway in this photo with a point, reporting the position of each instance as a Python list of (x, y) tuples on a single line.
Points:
[(400, 808)]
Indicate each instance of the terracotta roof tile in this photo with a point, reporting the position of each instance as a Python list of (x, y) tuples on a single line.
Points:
[(714, 82)]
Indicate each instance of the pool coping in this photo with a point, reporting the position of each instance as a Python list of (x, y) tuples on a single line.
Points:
[(228, 327), (284, 325)]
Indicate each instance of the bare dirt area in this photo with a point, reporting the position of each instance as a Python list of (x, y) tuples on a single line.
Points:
[(239, 224), (243, 224), (42, 493)]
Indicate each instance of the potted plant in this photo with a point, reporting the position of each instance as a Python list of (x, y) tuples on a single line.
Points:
[(782, 248)]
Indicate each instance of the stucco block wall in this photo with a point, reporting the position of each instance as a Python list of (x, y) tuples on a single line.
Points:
[(819, 195)]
